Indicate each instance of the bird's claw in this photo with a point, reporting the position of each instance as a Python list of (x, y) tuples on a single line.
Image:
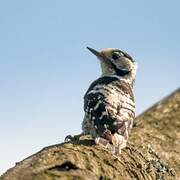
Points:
[(72, 138), (68, 138)]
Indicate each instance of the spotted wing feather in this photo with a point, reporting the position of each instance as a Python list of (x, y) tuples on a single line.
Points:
[(108, 105)]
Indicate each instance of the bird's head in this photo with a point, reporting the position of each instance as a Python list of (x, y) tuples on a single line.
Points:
[(116, 62)]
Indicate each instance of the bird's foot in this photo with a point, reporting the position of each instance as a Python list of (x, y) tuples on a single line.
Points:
[(74, 138)]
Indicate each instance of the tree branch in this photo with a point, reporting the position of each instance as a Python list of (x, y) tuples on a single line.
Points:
[(151, 153)]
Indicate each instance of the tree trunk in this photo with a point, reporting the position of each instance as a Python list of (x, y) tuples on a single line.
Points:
[(152, 152)]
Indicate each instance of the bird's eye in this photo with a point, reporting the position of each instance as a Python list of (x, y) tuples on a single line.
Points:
[(116, 55)]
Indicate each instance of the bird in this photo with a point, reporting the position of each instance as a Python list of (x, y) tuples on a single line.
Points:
[(109, 103)]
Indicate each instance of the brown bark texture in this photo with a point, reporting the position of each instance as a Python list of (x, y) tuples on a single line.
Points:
[(153, 152)]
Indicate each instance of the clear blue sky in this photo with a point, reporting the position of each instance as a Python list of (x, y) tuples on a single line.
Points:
[(45, 68)]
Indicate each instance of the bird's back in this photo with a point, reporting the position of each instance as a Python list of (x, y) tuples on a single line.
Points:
[(108, 104)]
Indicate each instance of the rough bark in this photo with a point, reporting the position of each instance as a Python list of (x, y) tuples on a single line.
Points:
[(152, 153)]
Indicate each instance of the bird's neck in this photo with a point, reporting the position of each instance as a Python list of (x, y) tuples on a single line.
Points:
[(127, 78), (109, 69)]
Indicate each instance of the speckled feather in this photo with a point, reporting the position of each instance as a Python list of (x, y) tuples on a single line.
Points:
[(109, 107)]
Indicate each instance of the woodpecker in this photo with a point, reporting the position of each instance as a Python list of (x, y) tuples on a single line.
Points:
[(109, 104)]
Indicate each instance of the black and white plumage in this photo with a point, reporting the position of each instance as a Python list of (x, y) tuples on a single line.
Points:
[(109, 102)]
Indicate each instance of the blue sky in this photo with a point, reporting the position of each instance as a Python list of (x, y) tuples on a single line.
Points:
[(45, 68)]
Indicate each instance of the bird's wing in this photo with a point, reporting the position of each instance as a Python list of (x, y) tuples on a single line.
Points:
[(110, 106)]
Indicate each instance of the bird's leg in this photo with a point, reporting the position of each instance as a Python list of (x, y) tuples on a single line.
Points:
[(73, 138)]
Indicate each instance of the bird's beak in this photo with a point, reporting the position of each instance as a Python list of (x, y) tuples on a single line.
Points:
[(96, 53)]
